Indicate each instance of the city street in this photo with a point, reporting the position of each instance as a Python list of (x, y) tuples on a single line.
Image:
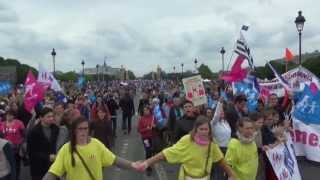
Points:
[(130, 147)]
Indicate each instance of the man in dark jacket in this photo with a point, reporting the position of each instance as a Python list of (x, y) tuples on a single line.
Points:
[(127, 106), (175, 114), (42, 142), (236, 111), (185, 124), (143, 102), (113, 107)]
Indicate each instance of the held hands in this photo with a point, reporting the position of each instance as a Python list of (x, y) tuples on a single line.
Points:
[(139, 166)]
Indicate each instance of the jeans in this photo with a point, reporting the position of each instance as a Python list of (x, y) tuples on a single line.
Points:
[(114, 126), (147, 143), (126, 121)]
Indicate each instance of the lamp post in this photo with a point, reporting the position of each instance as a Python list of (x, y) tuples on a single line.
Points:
[(222, 51), (82, 63), (195, 65), (182, 70), (174, 72), (299, 24), (53, 54), (104, 68), (97, 66)]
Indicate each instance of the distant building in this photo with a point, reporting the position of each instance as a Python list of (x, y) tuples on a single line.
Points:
[(158, 76), (106, 70)]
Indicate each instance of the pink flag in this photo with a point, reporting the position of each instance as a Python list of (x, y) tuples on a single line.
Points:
[(236, 73), (314, 88), (264, 94), (34, 92)]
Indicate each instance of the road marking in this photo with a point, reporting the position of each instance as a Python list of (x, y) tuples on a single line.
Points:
[(160, 172)]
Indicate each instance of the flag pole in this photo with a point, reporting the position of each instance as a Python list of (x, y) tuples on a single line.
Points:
[(286, 66)]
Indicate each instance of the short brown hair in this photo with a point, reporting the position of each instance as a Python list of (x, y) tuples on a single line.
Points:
[(241, 121), (269, 111), (200, 121), (255, 116)]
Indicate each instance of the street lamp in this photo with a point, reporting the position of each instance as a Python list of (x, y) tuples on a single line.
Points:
[(195, 64), (174, 72), (104, 68), (182, 70), (82, 63), (222, 51), (53, 54), (97, 66), (299, 23)]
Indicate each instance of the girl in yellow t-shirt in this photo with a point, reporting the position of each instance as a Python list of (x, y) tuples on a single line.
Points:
[(84, 157), (195, 152), (242, 153)]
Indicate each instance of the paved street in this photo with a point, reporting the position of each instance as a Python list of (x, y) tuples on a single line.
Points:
[(130, 147)]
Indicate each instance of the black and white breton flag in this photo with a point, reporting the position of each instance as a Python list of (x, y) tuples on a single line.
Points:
[(242, 48)]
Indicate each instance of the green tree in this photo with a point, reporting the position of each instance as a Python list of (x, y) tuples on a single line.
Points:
[(313, 65), (21, 69), (68, 76), (131, 75), (205, 72)]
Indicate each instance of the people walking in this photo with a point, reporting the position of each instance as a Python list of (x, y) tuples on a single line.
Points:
[(127, 106), (84, 157), (42, 144), (195, 152)]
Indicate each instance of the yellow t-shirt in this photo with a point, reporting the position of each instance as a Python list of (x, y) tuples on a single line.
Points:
[(95, 155), (243, 158), (192, 157)]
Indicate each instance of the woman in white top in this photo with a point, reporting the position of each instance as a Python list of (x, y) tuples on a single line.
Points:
[(221, 133), (221, 130)]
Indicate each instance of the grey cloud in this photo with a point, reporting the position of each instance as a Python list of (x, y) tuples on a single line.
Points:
[(7, 14)]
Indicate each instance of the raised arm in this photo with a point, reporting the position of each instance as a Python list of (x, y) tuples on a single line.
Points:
[(217, 113)]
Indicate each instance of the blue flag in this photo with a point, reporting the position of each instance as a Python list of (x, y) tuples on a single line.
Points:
[(5, 87), (249, 90), (160, 120), (307, 108), (81, 82)]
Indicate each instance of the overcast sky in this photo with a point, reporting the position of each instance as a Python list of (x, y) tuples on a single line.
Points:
[(140, 34)]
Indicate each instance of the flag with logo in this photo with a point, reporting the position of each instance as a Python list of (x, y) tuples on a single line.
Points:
[(34, 92), (47, 79), (284, 162), (249, 89), (307, 108)]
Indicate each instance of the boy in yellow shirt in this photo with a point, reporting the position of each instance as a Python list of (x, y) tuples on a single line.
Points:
[(242, 153)]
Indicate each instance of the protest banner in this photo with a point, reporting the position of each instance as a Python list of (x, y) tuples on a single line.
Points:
[(296, 78), (284, 162), (306, 123), (194, 89), (306, 140)]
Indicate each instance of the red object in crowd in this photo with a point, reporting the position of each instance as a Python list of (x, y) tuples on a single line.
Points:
[(13, 132), (264, 94), (145, 126), (289, 55), (34, 92)]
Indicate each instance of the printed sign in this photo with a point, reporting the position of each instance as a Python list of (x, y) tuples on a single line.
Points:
[(195, 90), (284, 162)]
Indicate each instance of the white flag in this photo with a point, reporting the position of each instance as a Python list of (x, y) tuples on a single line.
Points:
[(48, 79)]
